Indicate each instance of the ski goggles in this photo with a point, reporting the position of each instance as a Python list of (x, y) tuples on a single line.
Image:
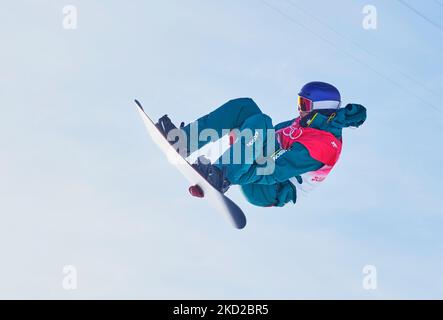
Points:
[(305, 104)]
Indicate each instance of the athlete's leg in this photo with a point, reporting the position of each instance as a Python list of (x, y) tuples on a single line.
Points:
[(229, 116)]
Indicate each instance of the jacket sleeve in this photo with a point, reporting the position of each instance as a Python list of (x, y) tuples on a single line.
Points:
[(291, 164)]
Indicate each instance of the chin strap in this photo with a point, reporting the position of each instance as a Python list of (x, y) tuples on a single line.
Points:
[(331, 117), (308, 123)]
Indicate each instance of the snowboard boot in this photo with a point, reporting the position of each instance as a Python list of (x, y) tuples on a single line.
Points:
[(165, 126), (214, 175)]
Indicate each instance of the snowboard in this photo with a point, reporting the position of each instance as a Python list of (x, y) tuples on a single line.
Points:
[(218, 200)]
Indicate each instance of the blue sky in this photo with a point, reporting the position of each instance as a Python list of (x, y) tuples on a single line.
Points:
[(82, 184)]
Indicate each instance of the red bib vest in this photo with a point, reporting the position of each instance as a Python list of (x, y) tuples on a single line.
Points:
[(321, 145)]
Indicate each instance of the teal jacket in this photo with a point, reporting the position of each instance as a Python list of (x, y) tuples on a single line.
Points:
[(274, 189)]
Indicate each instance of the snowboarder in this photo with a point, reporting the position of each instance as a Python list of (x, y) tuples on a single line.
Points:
[(305, 149)]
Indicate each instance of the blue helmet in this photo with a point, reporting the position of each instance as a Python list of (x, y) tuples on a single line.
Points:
[(318, 96)]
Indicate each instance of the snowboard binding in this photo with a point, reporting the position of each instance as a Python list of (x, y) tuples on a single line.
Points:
[(165, 125), (214, 175), (176, 139)]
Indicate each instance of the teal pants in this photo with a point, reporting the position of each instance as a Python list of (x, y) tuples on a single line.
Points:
[(244, 114)]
